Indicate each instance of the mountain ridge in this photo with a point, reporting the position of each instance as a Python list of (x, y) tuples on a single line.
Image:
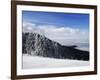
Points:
[(39, 45)]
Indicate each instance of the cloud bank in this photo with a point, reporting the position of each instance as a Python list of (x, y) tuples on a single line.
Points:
[(63, 35)]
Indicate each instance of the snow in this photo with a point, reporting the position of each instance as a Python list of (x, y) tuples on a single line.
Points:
[(30, 62)]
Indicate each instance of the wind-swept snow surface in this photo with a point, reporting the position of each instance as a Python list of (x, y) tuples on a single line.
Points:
[(30, 62)]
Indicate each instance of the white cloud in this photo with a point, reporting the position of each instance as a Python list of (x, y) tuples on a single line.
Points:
[(63, 35), (30, 27)]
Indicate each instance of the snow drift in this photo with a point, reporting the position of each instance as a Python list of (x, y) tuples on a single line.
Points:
[(32, 62)]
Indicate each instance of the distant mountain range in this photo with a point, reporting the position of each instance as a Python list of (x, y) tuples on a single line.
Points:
[(38, 45)]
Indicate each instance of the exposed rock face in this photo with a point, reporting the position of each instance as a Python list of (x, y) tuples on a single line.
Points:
[(39, 45)]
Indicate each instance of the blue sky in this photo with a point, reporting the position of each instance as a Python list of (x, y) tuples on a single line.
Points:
[(65, 28), (59, 19)]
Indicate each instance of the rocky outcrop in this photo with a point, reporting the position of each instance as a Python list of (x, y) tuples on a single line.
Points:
[(39, 45)]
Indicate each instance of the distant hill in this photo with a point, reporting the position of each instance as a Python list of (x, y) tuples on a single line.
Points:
[(39, 45)]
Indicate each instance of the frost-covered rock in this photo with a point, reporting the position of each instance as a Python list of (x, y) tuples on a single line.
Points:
[(39, 45)]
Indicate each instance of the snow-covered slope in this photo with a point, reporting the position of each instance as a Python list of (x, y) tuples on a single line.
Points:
[(30, 62)]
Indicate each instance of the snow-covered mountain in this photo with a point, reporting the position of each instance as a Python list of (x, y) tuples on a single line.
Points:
[(38, 45)]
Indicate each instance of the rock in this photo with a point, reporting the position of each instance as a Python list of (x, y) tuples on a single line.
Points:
[(39, 45)]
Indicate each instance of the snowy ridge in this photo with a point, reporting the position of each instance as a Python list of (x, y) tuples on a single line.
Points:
[(38, 45)]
